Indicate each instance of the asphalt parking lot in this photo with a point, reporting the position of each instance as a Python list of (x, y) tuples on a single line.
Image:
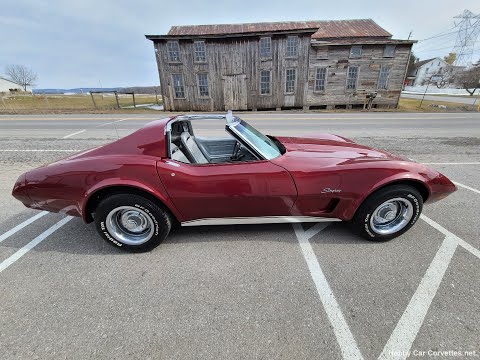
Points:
[(244, 292)]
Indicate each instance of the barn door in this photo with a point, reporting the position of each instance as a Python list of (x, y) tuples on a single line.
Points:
[(235, 92)]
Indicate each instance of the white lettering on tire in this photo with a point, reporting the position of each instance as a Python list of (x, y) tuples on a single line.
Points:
[(151, 216), (417, 207), (367, 228)]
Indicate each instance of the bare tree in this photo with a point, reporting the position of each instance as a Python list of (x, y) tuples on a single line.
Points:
[(445, 76), (469, 79), (21, 75)]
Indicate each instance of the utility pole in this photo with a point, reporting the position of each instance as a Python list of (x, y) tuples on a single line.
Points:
[(468, 25), (409, 35), (425, 93)]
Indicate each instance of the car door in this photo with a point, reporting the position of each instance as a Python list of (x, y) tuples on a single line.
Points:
[(242, 189)]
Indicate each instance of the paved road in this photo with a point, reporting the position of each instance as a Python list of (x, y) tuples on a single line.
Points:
[(455, 99), (267, 291)]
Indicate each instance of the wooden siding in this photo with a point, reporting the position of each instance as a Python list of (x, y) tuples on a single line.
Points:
[(232, 59), (369, 65)]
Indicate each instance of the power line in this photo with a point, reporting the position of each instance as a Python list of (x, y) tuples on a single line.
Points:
[(439, 35), (419, 51), (435, 43)]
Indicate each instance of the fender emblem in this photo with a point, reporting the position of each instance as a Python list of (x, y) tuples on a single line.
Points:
[(328, 191)]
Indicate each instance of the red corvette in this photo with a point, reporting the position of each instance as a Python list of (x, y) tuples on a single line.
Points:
[(137, 188)]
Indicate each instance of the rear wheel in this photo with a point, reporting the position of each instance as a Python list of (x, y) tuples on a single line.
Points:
[(132, 222), (388, 213)]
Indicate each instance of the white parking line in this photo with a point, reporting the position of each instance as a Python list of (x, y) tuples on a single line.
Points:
[(466, 187), (114, 122), (98, 126), (345, 339), (404, 334), (22, 225), (407, 328), (9, 261), (75, 133), (444, 231)]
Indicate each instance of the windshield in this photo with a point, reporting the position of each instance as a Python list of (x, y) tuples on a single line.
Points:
[(264, 145)]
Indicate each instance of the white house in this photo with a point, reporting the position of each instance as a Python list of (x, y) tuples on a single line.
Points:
[(425, 69), (8, 85)]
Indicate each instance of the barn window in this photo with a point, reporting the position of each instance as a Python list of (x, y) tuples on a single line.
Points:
[(389, 51), (292, 47), (356, 51), (202, 81), (200, 53), (173, 51), (320, 79), (265, 47), (352, 77), (178, 86), (265, 82), (290, 79), (383, 77)]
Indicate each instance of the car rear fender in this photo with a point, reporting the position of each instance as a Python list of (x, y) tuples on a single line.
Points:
[(118, 187)]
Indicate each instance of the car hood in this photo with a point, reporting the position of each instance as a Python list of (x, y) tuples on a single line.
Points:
[(333, 147)]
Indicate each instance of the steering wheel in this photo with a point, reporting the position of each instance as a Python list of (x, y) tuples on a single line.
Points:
[(237, 152)]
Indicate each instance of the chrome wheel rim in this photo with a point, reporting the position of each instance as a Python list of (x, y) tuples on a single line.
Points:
[(130, 225), (391, 216)]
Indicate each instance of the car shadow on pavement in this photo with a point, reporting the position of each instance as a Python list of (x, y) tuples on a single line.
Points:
[(79, 238)]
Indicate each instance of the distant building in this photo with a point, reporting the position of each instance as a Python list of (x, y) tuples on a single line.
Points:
[(282, 65), (424, 70), (10, 86)]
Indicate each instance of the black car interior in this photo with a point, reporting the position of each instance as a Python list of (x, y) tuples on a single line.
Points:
[(188, 148)]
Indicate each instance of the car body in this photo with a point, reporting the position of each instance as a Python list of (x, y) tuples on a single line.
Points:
[(314, 178)]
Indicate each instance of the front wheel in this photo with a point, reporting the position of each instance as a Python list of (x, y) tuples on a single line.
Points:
[(132, 222), (388, 213)]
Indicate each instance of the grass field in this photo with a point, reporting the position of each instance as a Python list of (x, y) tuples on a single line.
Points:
[(414, 105), (22, 103), (29, 104)]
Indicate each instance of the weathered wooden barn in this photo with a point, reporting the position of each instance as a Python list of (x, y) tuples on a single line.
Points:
[(281, 65)]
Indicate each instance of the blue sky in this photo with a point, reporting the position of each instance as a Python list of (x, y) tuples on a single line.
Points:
[(88, 42)]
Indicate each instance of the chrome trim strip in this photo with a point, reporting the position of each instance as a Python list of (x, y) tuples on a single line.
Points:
[(257, 220)]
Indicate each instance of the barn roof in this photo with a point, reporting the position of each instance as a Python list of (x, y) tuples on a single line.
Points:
[(325, 29)]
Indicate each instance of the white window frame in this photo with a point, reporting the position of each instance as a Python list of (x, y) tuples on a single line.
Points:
[(199, 55), (356, 56), (389, 46), (347, 88), (200, 86), (382, 74), (263, 82), (175, 86), (287, 81), (172, 51), (292, 46), (265, 43), (317, 80)]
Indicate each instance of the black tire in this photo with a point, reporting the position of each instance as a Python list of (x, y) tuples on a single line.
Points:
[(361, 223), (157, 219)]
